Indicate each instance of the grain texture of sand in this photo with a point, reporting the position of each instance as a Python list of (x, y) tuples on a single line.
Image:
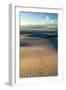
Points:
[(38, 61)]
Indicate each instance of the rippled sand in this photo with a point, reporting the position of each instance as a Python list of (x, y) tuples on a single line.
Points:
[(37, 61)]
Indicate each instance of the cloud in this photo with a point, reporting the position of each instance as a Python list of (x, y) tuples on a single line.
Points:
[(47, 20)]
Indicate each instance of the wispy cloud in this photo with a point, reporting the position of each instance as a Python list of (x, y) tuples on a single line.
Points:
[(47, 20)]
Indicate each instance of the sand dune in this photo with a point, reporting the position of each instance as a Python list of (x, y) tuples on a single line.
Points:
[(37, 61)]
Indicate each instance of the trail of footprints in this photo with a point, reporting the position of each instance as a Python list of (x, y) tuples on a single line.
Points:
[(43, 67), (43, 63)]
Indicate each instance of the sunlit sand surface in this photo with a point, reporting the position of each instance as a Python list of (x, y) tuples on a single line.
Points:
[(38, 60)]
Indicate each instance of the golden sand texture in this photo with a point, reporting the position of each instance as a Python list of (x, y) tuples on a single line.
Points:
[(38, 61)]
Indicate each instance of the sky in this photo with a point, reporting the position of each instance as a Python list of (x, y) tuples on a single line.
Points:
[(33, 18)]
